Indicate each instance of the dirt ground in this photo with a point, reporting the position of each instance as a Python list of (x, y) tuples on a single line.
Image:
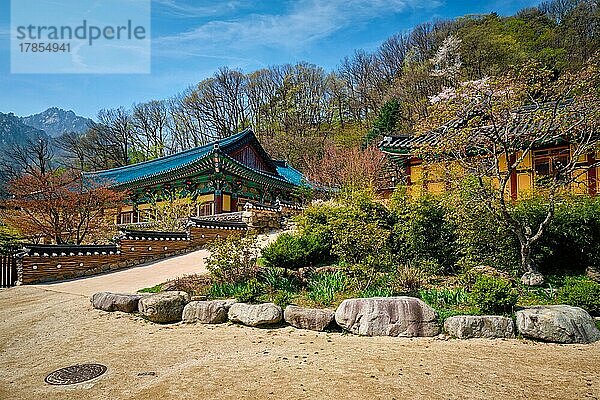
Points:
[(42, 330)]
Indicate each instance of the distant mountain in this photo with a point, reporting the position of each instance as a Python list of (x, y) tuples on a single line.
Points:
[(14, 131), (55, 122)]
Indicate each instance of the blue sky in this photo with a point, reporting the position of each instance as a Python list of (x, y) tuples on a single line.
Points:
[(192, 39)]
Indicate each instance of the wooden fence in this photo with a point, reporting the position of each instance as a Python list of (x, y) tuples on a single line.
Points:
[(8, 271)]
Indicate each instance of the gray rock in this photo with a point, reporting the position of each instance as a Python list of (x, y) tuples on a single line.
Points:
[(532, 279), (387, 316), (477, 326), (207, 312), (560, 324), (255, 314), (163, 307), (108, 301), (308, 318)]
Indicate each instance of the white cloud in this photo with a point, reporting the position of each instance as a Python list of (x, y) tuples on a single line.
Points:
[(179, 9), (306, 21)]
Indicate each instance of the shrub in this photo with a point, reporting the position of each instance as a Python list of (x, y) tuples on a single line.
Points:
[(282, 298), (294, 251), (480, 239), (581, 293), (572, 241), (406, 280), (194, 285), (423, 233), (232, 259), (355, 226), (323, 287), (247, 292), (358, 242), (493, 295)]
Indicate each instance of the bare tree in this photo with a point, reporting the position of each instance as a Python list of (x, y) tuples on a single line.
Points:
[(150, 124)]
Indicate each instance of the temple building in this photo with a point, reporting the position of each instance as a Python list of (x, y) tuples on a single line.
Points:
[(219, 177), (405, 167)]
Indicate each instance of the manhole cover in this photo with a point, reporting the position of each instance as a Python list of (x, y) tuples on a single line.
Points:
[(75, 374)]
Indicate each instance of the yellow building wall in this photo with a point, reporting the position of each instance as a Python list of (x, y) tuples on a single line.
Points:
[(429, 179), (226, 202)]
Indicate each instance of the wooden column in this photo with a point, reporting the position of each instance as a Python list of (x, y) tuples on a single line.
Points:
[(234, 202), (592, 175), (408, 171), (218, 202)]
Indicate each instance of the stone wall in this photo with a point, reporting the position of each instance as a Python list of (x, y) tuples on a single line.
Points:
[(50, 263), (262, 218), (44, 263)]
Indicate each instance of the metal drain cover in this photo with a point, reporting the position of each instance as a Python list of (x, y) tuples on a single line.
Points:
[(75, 374)]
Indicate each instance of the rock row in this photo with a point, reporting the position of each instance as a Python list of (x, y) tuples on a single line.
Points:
[(378, 316)]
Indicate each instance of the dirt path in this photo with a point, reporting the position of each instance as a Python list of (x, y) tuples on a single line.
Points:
[(132, 279), (42, 330)]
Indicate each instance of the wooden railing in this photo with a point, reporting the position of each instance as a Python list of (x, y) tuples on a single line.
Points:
[(8, 271)]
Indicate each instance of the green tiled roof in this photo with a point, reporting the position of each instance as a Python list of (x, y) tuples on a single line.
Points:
[(164, 166)]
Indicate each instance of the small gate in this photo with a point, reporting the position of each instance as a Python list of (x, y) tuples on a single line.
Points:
[(8, 271)]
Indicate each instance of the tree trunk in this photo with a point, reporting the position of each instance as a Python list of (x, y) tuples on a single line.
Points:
[(526, 260)]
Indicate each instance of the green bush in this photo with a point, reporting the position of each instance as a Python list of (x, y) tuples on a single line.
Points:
[(233, 259), (282, 298), (581, 293), (493, 295), (323, 287), (248, 291), (423, 234), (480, 239), (294, 251), (572, 242)]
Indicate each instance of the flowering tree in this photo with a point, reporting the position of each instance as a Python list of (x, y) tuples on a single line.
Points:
[(59, 206), (346, 167), (496, 123)]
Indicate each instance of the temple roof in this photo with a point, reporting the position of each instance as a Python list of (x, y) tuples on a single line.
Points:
[(198, 159), (404, 144)]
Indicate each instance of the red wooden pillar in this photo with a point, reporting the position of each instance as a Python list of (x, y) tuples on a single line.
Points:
[(513, 177), (218, 202), (234, 202), (592, 175), (408, 171)]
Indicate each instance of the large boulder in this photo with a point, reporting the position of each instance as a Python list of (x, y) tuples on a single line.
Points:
[(207, 312), (255, 314), (108, 301), (387, 316), (560, 324), (477, 326), (313, 319), (163, 307)]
